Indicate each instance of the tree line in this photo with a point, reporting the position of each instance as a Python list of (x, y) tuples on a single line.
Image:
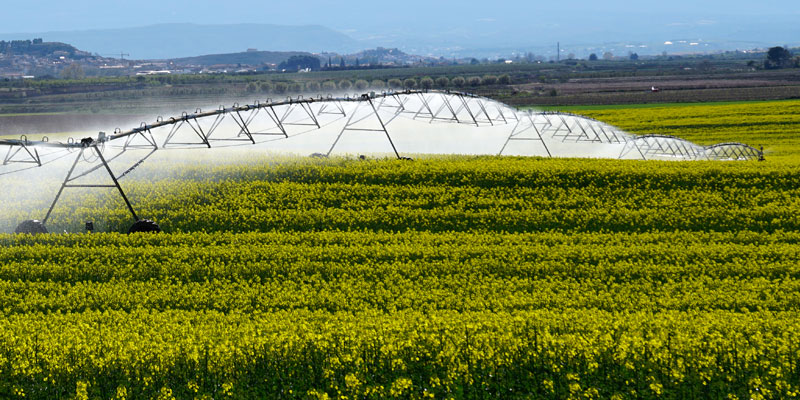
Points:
[(442, 82)]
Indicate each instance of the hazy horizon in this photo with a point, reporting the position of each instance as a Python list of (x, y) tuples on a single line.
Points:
[(443, 28)]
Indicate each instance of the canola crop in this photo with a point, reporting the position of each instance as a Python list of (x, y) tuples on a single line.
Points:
[(772, 124), (452, 277)]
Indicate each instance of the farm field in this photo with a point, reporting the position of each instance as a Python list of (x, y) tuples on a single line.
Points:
[(446, 277), (772, 124)]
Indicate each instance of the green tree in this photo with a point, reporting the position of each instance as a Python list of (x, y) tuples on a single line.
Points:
[(592, 57), (395, 83), (504, 79), (410, 83), (312, 86), (361, 84), (458, 81), (296, 87), (705, 66), (281, 87), (265, 87), (442, 82), (778, 57), (345, 84), (251, 87), (295, 63), (73, 71), (474, 81), (426, 83), (377, 84), (328, 86), (489, 80)]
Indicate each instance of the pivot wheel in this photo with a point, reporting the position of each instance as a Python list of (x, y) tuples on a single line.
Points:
[(31, 226), (145, 225)]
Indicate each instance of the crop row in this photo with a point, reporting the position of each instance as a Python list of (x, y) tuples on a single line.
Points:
[(549, 354), (411, 314), (461, 194), (616, 257), (773, 125)]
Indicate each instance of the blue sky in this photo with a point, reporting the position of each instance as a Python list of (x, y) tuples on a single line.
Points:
[(443, 28), (57, 15)]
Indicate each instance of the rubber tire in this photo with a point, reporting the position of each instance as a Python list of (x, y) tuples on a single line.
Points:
[(145, 225), (31, 226)]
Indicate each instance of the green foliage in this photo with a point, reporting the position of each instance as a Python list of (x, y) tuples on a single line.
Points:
[(463, 277), (458, 276), (395, 83), (280, 87), (426, 83), (409, 83), (328, 86), (361, 85), (377, 84), (345, 84), (778, 57), (265, 87), (756, 123), (296, 87), (313, 86), (298, 62), (73, 71)]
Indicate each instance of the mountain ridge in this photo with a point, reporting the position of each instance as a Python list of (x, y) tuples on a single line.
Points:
[(178, 40)]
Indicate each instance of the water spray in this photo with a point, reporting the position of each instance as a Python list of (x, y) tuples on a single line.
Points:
[(552, 133)]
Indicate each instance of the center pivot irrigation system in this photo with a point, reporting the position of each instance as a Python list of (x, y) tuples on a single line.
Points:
[(548, 132)]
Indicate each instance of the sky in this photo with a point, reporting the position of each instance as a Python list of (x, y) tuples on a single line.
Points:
[(56, 15), (441, 26)]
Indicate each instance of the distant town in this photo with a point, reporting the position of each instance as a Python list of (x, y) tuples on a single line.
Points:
[(31, 59)]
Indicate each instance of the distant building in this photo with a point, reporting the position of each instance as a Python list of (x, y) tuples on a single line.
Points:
[(162, 72)]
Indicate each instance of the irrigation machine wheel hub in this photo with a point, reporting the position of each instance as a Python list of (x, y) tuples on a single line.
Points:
[(145, 225), (31, 226)]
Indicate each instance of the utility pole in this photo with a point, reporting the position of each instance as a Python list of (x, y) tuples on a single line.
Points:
[(121, 55)]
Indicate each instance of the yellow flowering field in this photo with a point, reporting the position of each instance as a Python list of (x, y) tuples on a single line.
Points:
[(445, 277)]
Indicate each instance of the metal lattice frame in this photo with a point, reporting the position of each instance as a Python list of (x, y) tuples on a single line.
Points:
[(367, 113), (671, 147)]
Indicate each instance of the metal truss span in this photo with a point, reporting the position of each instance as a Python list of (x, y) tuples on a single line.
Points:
[(372, 114), (552, 133), (665, 147)]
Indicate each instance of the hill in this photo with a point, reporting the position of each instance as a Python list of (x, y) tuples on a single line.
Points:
[(165, 41), (247, 58), (39, 48)]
